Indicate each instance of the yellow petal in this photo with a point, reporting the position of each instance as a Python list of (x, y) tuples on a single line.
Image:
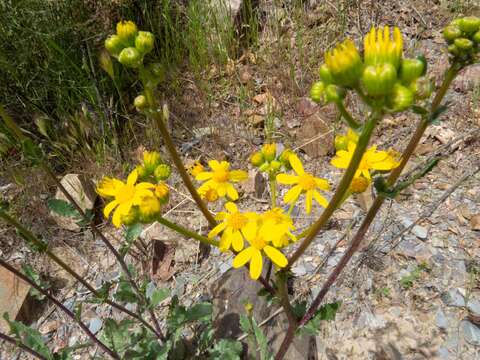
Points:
[(214, 165), (322, 184), (225, 241), (221, 189), (221, 216), (144, 186), (237, 241), (320, 199), (205, 175), (108, 209), (250, 231), (287, 179), (308, 201), (340, 162), (292, 195), (243, 257), (231, 191), (231, 207), (256, 263), (276, 256), (224, 165), (238, 175), (216, 230), (132, 177), (109, 187), (296, 164)]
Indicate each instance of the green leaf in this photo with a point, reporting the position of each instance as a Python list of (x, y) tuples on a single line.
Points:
[(131, 234), (62, 208), (200, 312), (420, 110), (28, 336), (158, 296), (435, 116), (103, 293), (326, 313), (116, 335), (35, 277), (226, 349), (125, 293), (32, 151)]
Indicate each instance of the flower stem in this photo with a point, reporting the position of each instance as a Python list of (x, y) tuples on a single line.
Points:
[(342, 187), (346, 115), (188, 233), (29, 236), (282, 291), (62, 307), (159, 120)]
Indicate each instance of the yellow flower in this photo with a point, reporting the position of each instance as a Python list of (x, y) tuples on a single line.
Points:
[(125, 195), (162, 192), (221, 178), (284, 225), (341, 141), (344, 63), (196, 168), (148, 208), (359, 184), (210, 194), (304, 183), (380, 48), (151, 159), (257, 236), (233, 224), (371, 160)]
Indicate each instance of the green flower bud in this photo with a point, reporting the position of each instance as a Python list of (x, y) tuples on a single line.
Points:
[(379, 80), (411, 69), (144, 42), (452, 49), (140, 102), (463, 44), (132, 217), (142, 172), (469, 24), (269, 151), (325, 74), (151, 159), (275, 165), (341, 142), (257, 159), (317, 92), (264, 167), (114, 45), (127, 31), (162, 172), (456, 22), (422, 88), (476, 37), (334, 93), (451, 32), (284, 158), (401, 98), (130, 57)]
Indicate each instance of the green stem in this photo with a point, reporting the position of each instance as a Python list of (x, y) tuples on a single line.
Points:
[(282, 292), (158, 117), (346, 115), (188, 233), (30, 237), (342, 187)]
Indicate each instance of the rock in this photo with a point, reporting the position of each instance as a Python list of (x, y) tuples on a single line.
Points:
[(453, 298), (441, 320), (13, 293), (473, 306), (82, 191), (420, 232), (299, 270), (95, 325), (471, 332), (468, 79), (475, 222)]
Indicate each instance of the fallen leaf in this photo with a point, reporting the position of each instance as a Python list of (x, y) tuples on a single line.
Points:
[(475, 222)]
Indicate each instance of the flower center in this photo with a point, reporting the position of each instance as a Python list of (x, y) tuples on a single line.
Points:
[(307, 182), (221, 175), (125, 193), (237, 221), (258, 242)]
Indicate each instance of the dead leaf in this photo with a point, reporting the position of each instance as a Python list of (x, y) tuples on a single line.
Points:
[(13, 292), (162, 260), (475, 222)]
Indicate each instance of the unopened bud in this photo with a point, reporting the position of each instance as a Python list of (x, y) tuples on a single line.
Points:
[(269, 151), (325, 74), (127, 31), (411, 69), (359, 184), (451, 32), (275, 165), (285, 158), (422, 88), (148, 209), (476, 37), (317, 92), (463, 44), (140, 102), (162, 172), (379, 80), (114, 45), (144, 42), (334, 93), (401, 98), (257, 159), (469, 24), (130, 57)]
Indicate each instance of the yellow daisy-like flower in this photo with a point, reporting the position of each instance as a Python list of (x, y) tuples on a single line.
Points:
[(209, 194), (341, 141), (232, 225), (257, 236), (196, 168), (359, 184), (371, 160), (125, 195), (221, 178), (380, 48), (284, 225), (303, 183)]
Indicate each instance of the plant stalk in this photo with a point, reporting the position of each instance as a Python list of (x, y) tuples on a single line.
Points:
[(342, 187), (188, 233), (70, 314), (346, 115), (22, 346), (31, 237)]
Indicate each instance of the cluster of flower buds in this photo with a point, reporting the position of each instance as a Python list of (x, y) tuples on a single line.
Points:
[(153, 168), (382, 74), (463, 37), (129, 45), (268, 161)]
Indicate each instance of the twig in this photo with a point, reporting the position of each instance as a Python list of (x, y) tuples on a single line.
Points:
[(22, 346)]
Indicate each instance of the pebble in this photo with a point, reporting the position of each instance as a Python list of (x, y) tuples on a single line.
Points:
[(95, 325), (473, 306), (420, 231), (453, 298), (441, 320), (470, 332)]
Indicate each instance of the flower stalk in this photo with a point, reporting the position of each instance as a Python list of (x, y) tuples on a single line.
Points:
[(346, 115)]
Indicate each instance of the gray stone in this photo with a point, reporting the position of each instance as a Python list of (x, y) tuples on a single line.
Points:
[(95, 325), (470, 332), (420, 231), (441, 320), (443, 353), (406, 221), (473, 306), (299, 270), (453, 298), (82, 190)]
